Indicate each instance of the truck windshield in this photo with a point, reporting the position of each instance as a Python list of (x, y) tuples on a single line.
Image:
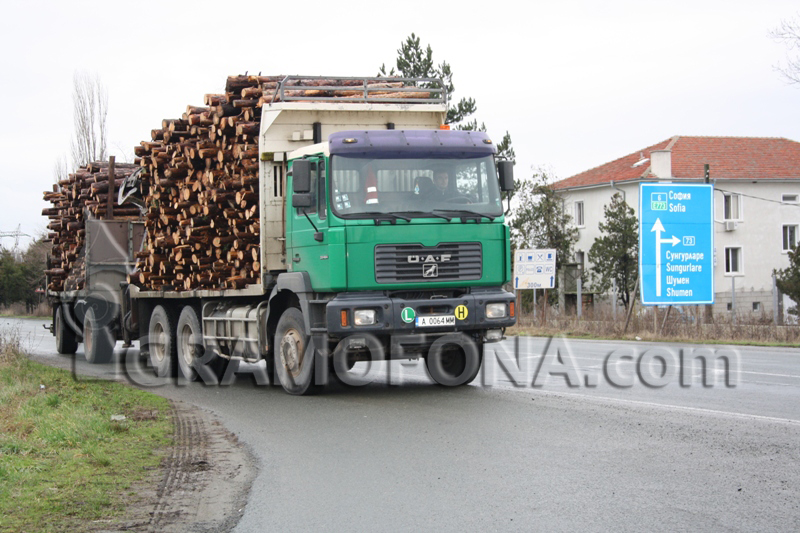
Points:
[(363, 187)]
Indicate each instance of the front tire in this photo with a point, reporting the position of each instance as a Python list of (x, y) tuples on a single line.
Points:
[(454, 360), (294, 356), (98, 341), (66, 338), (161, 341)]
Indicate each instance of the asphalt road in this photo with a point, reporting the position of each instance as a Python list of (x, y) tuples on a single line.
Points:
[(633, 442)]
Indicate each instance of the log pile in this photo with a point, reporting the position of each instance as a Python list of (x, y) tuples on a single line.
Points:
[(80, 196), (200, 187)]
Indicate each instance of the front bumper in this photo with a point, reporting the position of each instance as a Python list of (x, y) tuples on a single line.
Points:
[(469, 311)]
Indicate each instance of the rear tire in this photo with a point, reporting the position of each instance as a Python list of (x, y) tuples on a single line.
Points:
[(98, 342), (66, 338), (294, 361), (191, 349), (190, 343), (161, 342)]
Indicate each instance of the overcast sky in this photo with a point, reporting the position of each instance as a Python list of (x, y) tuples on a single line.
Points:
[(576, 83)]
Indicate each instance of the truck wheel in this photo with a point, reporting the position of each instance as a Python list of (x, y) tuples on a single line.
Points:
[(98, 342), (191, 350), (190, 343), (161, 341), (454, 360), (66, 339), (294, 363)]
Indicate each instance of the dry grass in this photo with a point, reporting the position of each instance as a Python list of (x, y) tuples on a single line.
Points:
[(649, 324), (42, 310)]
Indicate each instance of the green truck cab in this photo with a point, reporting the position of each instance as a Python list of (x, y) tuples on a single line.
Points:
[(401, 235)]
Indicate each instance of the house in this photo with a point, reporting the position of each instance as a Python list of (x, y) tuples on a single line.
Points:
[(756, 205)]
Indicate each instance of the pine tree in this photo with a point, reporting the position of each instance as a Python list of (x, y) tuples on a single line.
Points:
[(788, 279), (414, 62), (540, 220), (615, 254)]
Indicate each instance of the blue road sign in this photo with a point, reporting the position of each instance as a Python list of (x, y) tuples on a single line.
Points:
[(676, 243)]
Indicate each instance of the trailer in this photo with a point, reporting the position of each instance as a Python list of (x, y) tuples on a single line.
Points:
[(382, 236)]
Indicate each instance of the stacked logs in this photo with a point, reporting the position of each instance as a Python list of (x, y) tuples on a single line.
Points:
[(201, 192), (80, 196), (199, 183), (201, 186)]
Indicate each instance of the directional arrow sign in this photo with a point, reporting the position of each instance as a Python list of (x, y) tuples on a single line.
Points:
[(676, 243)]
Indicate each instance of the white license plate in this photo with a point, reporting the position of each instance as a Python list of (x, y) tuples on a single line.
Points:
[(439, 320)]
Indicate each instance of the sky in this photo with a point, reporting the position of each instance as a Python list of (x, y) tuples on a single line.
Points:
[(576, 83)]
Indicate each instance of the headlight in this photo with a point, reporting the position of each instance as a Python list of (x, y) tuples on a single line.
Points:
[(364, 317), (496, 310)]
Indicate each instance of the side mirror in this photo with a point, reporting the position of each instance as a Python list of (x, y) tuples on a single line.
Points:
[(505, 171), (301, 177), (302, 199)]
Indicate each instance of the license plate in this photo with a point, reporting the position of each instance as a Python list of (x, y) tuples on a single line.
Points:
[(438, 320)]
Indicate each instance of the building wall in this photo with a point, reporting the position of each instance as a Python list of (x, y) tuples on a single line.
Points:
[(758, 232)]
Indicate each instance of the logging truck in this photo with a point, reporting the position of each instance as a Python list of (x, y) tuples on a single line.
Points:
[(380, 236)]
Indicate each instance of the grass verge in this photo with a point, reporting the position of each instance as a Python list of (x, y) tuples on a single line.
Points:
[(63, 461)]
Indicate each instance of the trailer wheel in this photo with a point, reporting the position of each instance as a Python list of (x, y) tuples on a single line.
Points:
[(98, 342), (294, 361), (161, 341), (66, 338), (454, 360)]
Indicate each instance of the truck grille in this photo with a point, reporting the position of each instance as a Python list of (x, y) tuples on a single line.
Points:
[(404, 263)]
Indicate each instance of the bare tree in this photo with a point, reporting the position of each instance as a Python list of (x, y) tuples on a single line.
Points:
[(788, 33), (60, 169), (89, 113)]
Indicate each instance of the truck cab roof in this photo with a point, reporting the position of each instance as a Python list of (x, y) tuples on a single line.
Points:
[(399, 142)]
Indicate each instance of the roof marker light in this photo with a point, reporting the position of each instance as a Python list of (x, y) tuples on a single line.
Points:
[(349, 140)]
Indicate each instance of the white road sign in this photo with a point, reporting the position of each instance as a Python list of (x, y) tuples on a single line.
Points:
[(535, 269)]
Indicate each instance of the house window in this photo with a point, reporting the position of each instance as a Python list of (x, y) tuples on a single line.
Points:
[(790, 198), (756, 306), (579, 214), (579, 258), (732, 206), (733, 260), (789, 237)]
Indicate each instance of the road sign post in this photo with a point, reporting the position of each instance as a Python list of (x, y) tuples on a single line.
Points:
[(676, 243)]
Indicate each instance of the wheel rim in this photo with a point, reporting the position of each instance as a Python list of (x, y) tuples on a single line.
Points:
[(292, 351), (188, 348), (87, 335), (59, 331), (159, 336)]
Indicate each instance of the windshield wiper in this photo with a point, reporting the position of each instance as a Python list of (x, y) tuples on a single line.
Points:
[(466, 215), (380, 217), (430, 214)]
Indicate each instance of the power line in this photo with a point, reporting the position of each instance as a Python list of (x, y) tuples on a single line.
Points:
[(758, 197)]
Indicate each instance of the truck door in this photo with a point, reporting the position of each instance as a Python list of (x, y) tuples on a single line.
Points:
[(307, 231)]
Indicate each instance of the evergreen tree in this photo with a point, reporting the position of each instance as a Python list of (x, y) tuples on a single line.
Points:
[(788, 279), (414, 62), (540, 220), (615, 254)]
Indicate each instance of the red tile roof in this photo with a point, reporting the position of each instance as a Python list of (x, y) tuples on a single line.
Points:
[(747, 158)]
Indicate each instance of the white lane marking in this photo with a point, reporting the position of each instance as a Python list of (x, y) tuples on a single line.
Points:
[(699, 410)]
